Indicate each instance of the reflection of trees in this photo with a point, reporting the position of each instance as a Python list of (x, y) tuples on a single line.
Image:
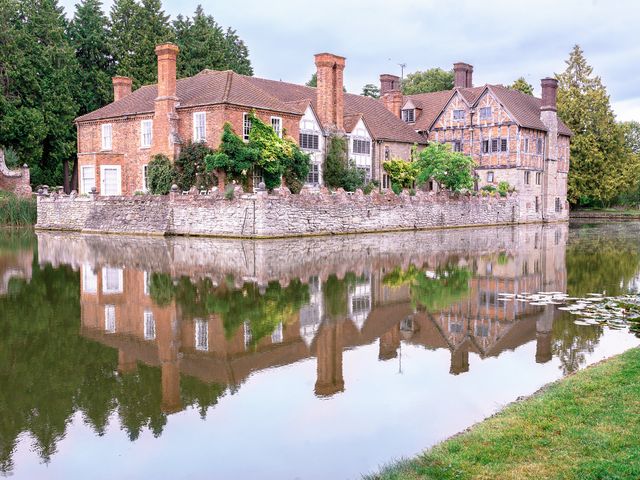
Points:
[(572, 342), (263, 307), (597, 262), (48, 371), (17, 239), (435, 290)]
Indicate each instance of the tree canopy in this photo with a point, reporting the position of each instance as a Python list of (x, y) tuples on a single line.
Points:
[(601, 165), (521, 85), (432, 80), (53, 69), (370, 90)]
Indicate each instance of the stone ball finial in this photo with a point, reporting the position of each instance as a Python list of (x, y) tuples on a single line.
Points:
[(262, 186), (174, 188), (24, 165), (94, 190)]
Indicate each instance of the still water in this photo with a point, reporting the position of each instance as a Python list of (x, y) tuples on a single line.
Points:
[(318, 358)]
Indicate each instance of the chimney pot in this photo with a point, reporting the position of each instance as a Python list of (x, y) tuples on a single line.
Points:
[(167, 54), (121, 87), (549, 94), (330, 94), (463, 75), (388, 83)]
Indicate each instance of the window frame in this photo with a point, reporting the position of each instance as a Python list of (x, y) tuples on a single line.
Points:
[(83, 185), (314, 173), (483, 113), (120, 276), (246, 126), (361, 142), (279, 121), (199, 125), (527, 177), (145, 177), (149, 325), (103, 169), (106, 144), (144, 135), (491, 176), (315, 143), (460, 114), (201, 334), (408, 115)]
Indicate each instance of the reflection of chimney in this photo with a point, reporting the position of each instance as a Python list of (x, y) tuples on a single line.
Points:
[(329, 90), (171, 401), (389, 343), (388, 83), (126, 363), (165, 104), (121, 87), (329, 352), (463, 75), (460, 360), (543, 347)]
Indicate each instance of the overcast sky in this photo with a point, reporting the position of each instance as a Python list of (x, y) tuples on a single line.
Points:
[(501, 39)]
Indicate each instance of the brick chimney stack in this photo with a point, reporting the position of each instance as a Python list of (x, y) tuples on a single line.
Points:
[(463, 75), (330, 94), (121, 87), (164, 118), (549, 94), (388, 83)]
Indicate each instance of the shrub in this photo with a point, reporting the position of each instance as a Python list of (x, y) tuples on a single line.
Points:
[(504, 188), (412, 192), (11, 159), (190, 167), (488, 188), (229, 191), (401, 172), (452, 170), (368, 188), (338, 172), (161, 175), (397, 189)]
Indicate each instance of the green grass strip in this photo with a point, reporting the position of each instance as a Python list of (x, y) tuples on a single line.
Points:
[(586, 426)]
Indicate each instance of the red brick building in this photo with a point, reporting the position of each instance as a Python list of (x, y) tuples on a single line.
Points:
[(512, 136), (116, 142)]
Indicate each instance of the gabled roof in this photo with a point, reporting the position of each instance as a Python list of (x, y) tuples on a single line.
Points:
[(211, 87), (524, 108)]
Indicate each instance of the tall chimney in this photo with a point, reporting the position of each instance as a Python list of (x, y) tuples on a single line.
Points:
[(392, 100), (164, 118), (549, 93), (388, 83), (121, 87), (330, 95), (463, 75)]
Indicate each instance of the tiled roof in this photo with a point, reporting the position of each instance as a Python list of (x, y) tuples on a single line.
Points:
[(525, 108), (212, 87), (350, 121)]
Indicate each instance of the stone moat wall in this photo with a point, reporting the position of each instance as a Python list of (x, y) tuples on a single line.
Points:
[(263, 215)]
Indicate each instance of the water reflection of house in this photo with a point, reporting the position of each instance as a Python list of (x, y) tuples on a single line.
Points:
[(117, 311), (15, 264)]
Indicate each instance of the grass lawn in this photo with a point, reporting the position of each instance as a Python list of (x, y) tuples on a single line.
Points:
[(632, 212), (586, 426)]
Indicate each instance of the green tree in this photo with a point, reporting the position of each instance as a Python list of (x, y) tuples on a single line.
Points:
[(313, 81), (38, 69), (89, 35), (521, 85), (452, 170), (370, 90), (190, 166), (598, 173), (237, 53), (338, 172), (402, 173), (136, 30), (631, 130), (432, 80), (160, 174)]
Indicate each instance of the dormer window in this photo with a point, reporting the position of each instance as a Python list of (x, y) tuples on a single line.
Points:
[(485, 113), (409, 115), (458, 115)]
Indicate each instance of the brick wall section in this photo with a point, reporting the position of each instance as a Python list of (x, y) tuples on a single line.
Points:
[(16, 181), (267, 216)]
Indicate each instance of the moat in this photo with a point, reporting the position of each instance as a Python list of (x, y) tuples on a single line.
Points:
[(311, 358)]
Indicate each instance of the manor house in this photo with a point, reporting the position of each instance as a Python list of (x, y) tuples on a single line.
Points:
[(513, 137)]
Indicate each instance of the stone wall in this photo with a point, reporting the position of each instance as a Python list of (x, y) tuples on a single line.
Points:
[(16, 181), (277, 215)]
